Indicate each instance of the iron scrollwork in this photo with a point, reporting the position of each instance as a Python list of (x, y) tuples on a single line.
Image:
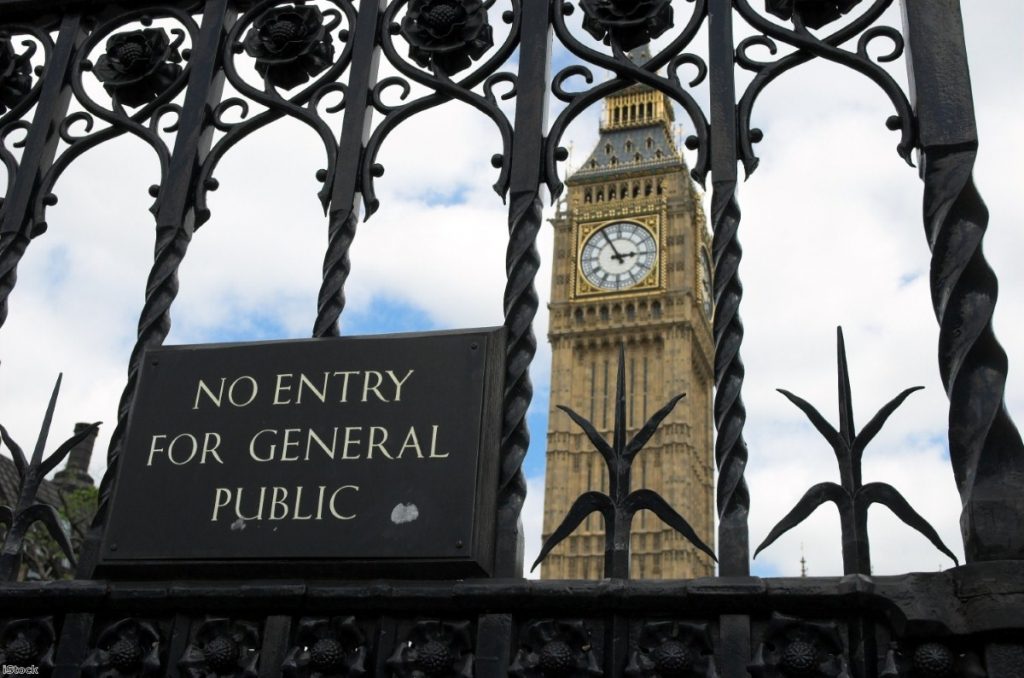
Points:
[(444, 36), (140, 71), (15, 73), (817, 14), (17, 90), (18, 94), (626, 26), (290, 45)]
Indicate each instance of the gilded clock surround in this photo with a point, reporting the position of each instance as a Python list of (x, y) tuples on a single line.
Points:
[(652, 282)]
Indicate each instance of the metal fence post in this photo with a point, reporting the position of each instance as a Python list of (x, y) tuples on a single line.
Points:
[(521, 265), (984, 445)]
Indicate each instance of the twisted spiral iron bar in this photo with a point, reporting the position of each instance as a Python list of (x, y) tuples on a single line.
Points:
[(984, 443), (522, 262), (154, 325), (733, 497), (162, 283), (341, 232)]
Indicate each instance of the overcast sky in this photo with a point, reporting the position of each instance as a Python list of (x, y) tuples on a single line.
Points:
[(831, 232)]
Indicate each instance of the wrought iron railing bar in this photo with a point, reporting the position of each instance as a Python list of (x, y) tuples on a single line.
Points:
[(347, 189), (175, 223), (40, 148), (730, 449), (730, 414), (522, 263), (985, 446)]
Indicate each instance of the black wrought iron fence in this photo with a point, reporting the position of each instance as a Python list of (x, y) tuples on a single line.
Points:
[(77, 74)]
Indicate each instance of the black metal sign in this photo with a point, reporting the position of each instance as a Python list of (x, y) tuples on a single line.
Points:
[(360, 453)]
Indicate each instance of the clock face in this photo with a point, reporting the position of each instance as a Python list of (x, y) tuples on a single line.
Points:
[(618, 255)]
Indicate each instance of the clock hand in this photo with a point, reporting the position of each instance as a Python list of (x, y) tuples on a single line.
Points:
[(615, 256)]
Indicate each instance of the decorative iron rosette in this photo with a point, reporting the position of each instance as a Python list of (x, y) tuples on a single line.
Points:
[(222, 646), (812, 13), (126, 648), (792, 648), (326, 648), (15, 75), (138, 66), (446, 34), (630, 23), (672, 650), (555, 649), (291, 44), (27, 642), (931, 660), (434, 649)]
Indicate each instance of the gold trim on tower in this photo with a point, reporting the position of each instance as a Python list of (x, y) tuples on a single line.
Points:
[(653, 282)]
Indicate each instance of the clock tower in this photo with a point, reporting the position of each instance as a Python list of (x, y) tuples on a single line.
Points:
[(631, 267)]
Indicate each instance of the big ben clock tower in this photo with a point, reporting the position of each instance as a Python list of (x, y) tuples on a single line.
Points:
[(631, 267)]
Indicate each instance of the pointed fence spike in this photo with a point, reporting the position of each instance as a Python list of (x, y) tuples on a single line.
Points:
[(619, 443), (44, 431), (845, 397)]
